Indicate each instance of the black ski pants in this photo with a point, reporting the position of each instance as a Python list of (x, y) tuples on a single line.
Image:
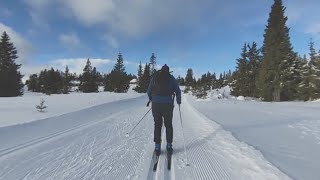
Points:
[(162, 112)]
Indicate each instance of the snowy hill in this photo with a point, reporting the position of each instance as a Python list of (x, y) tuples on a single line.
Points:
[(88, 140)]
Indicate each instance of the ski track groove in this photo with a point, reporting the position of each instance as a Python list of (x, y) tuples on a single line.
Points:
[(102, 152), (154, 175), (204, 163), (40, 140), (72, 158), (151, 174), (167, 173)]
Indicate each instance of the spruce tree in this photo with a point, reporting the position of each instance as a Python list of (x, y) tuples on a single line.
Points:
[(153, 64), (43, 83), (275, 77), (240, 85), (10, 77), (180, 81), (66, 81), (119, 81), (220, 81), (303, 87), (88, 79), (189, 78), (254, 58), (33, 83), (314, 73), (139, 86), (145, 79), (214, 81)]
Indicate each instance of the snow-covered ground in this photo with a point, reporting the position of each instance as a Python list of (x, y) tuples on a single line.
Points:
[(83, 140), (287, 133), (19, 110)]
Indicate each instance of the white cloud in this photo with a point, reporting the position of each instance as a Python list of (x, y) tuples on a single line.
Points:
[(38, 4), (314, 29), (75, 65), (24, 48), (90, 12), (302, 14), (39, 11), (133, 18), (70, 40), (111, 40)]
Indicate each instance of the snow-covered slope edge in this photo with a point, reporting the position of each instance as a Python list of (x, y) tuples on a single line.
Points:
[(241, 160)]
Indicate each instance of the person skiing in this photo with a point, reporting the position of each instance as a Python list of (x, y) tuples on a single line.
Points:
[(161, 90)]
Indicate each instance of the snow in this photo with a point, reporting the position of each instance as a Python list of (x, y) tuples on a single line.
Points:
[(19, 110), (84, 136), (133, 81), (240, 98), (286, 133)]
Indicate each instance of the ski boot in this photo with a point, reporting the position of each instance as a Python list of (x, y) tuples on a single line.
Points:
[(169, 148), (157, 149)]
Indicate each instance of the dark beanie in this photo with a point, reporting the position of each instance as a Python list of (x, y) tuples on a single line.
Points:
[(165, 68)]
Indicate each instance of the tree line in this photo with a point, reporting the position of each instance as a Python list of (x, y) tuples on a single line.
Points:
[(275, 72), (57, 82)]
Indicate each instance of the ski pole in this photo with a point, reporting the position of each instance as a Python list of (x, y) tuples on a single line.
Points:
[(139, 120), (184, 143)]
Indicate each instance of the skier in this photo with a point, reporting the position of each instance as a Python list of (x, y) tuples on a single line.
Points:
[(161, 90)]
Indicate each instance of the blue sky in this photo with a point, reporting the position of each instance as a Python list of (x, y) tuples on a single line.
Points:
[(205, 35)]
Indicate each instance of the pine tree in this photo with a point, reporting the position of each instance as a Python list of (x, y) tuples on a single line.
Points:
[(314, 73), (41, 106), (53, 82), (43, 83), (220, 81), (33, 83), (88, 79), (145, 79), (10, 77), (189, 78), (214, 81), (254, 58), (66, 81), (180, 81), (240, 85), (275, 77), (139, 86), (119, 81), (303, 87), (153, 64)]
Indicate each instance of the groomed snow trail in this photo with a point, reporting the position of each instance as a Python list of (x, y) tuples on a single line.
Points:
[(91, 144)]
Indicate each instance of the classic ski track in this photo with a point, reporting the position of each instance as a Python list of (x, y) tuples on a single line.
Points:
[(155, 175), (151, 173), (102, 151), (93, 155), (203, 162), (52, 136), (168, 174), (205, 165)]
